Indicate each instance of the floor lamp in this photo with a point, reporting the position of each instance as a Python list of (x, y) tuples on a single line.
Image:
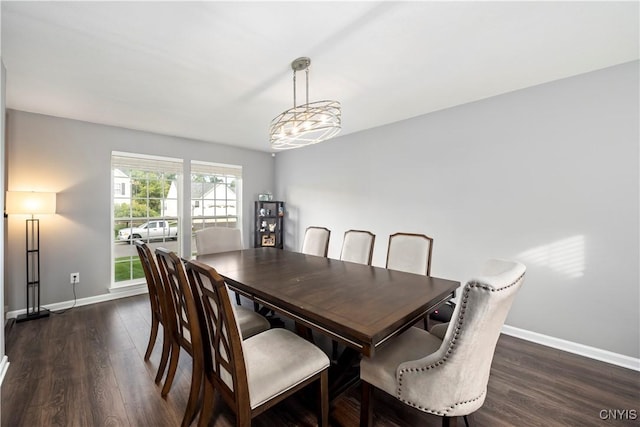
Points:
[(32, 203)]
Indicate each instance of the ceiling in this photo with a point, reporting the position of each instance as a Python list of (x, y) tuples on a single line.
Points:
[(220, 71)]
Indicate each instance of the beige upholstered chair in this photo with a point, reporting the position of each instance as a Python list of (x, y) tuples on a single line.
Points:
[(254, 374), (410, 253), (218, 239), (357, 246), (158, 309), (316, 241), (446, 375), (213, 240)]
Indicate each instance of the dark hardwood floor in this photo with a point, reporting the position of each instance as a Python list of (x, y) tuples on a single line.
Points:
[(85, 368)]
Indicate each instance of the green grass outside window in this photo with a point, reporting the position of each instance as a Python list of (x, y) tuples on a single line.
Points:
[(128, 268)]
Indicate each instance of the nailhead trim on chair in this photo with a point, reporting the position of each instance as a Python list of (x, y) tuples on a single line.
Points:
[(452, 344)]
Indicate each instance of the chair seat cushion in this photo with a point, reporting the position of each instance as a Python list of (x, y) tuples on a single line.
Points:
[(277, 360), (250, 322), (380, 370)]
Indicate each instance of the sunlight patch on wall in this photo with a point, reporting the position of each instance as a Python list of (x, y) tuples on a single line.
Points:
[(564, 256)]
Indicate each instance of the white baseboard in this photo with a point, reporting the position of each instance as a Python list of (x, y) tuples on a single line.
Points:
[(575, 348), (114, 293)]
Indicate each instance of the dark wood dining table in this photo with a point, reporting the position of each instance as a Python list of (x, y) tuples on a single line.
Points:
[(360, 306)]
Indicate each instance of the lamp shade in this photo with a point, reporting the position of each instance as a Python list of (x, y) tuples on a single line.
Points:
[(30, 202)]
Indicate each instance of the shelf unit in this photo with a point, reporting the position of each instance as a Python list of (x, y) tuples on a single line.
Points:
[(269, 224)]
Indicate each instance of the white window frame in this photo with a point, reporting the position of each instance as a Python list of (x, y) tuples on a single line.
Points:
[(151, 163)]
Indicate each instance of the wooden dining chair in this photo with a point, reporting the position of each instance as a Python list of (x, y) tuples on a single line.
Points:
[(184, 327), (316, 241), (158, 309), (446, 372), (357, 246), (410, 253), (254, 374), (213, 240)]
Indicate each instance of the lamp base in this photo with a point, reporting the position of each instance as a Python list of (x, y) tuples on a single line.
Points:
[(32, 316)]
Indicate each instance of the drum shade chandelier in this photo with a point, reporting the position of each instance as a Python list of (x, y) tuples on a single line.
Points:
[(308, 123)]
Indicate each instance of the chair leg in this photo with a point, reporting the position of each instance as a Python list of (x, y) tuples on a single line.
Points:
[(449, 421), (238, 299), (366, 405), (334, 350), (166, 349), (323, 414), (466, 421), (426, 322), (206, 414), (173, 366), (194, 395), (152, 338)]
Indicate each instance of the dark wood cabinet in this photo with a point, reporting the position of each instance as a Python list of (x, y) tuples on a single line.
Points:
[(269, 224)]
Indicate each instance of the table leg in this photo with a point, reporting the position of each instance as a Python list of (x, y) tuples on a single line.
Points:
[(344, 373)]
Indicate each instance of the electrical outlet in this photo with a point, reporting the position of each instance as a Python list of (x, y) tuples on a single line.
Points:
[(74, 278)]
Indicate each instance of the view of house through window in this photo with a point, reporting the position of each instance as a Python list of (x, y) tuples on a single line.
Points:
[(146, 194), (215, 191)]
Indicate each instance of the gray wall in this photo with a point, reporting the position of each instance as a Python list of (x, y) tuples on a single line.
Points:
[(547, 175), (73, 158)]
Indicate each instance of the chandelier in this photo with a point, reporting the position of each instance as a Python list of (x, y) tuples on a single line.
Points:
[(305, 124)]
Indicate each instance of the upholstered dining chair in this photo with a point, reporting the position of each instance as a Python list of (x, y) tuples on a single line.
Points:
[(183, 326), (213, 240), (446, 373), (316, 241), (357, 246), (158, 308), (254, 374), (410, 253)]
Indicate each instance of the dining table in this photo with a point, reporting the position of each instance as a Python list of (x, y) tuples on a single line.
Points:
[(360, 306)]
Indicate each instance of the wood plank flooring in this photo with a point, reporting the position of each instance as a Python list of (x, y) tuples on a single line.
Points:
[(85, 368)]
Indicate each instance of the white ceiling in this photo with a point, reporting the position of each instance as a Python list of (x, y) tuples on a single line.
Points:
[(220, 71)]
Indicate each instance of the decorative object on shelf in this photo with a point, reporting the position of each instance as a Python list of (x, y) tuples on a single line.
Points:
[(32, 203), (265, 197), (269, 240), (308, 123)]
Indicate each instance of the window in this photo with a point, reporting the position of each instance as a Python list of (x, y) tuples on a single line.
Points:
[(145, 194), (215, 196)]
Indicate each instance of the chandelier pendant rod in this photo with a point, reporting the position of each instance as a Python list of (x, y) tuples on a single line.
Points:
[(307, 77), (295, 116)]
